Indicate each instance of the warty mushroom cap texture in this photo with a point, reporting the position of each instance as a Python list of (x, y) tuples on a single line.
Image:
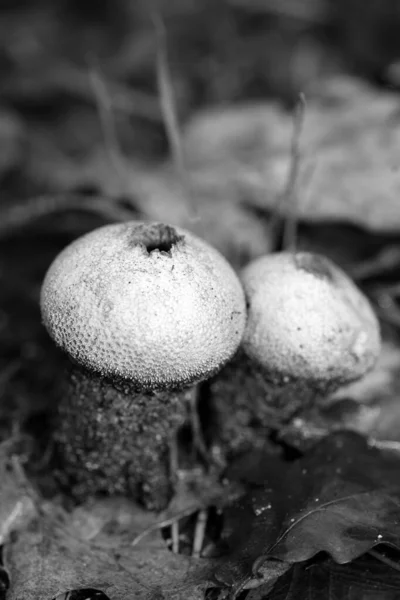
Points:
[(307, 320), (144, 302)]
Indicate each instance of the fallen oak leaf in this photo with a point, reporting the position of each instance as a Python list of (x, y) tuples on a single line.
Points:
[(302, 538), (351, 502), (342, 498)]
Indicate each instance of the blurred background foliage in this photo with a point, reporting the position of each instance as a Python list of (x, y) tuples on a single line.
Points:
[(219, 51)]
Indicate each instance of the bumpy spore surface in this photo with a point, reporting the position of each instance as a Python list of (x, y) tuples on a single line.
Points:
[(120, 444), (307, 320), (144, 302)]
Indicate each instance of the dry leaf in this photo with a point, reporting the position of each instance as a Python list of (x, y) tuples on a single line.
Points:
[(350, 145)]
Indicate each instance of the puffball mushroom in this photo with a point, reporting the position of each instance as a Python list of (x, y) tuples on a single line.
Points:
[(309, 330), (144, 311)]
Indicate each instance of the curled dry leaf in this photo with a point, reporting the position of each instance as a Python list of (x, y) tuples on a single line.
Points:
[(349, 144), (369, 406)]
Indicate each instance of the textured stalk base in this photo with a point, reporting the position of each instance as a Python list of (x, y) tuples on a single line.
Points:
[(117, 441), (244, 408)]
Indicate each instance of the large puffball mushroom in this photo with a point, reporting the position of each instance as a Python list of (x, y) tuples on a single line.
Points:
[(144, 312), (309, 330)]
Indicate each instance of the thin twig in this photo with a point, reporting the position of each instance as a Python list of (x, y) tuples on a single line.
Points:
[(9, 371), (390, 445), (104, 106), (385, 260), (199, 533), (31, 492), (161, 524), (67, 77), (174, 467), (384, 559), (175, 537), (237, 589), (290, 194), (199, 444), (169, 111), (22, 214)]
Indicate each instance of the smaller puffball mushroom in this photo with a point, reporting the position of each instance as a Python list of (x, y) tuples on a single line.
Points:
[(309, 331), (144, 312)]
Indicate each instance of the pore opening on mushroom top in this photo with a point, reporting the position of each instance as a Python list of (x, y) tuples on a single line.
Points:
[(160, 237), (314, 264), (161, 246)]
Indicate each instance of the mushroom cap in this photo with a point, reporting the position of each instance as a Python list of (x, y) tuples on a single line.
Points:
[(146, 303), (307, 320)]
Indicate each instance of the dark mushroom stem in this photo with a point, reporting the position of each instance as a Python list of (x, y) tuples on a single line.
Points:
[(113, 439), (247, 404)]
